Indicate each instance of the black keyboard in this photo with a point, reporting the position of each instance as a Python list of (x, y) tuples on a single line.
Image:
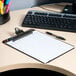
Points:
[(50, 20)]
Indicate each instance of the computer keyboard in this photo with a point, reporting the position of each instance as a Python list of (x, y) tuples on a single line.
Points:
[(50, 21)]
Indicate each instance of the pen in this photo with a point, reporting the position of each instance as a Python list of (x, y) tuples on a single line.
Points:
[(7, 2), (8, 6), (58, 37), (1, 6)]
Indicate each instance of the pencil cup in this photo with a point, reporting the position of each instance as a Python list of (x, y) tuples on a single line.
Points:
[(4, 18)]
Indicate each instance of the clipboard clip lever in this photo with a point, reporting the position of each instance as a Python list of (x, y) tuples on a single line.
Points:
[(18, 31)]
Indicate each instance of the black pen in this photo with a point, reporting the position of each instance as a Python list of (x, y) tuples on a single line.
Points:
[(59, 37)]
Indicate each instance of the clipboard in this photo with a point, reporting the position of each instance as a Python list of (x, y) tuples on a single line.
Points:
[(38, 45)]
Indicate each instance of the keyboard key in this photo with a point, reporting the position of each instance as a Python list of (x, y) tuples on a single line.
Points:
[(38, 13), (69, 16), (56, 15)]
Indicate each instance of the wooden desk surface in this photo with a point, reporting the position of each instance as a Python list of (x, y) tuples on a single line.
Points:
[(10, 56)]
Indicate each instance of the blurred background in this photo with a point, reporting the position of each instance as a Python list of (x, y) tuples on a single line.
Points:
[(21, 4)]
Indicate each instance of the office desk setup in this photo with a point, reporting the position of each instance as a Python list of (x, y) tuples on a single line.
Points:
[(9, 56)]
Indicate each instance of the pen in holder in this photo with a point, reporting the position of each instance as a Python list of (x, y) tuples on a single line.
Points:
[(4, 11), (4, 18)]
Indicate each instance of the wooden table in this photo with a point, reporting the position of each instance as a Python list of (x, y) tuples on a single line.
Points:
[(9, 56)]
